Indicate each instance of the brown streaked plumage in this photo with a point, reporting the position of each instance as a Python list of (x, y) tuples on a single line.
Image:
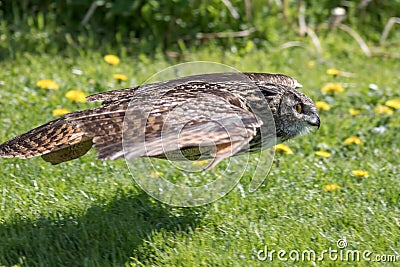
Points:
[(208, 115)]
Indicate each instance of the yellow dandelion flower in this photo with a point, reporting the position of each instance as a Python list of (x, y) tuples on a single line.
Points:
[(393, 103), (323, 154), (120, 77), (331, 187), (333, 72), (321, 105), (332, 88), (155, 174), (383, 109), (47, 84), (354, 112), (76, 95), (200, 163), (360, 173), (111, 59), (60, 111), (283, 148), (352, 140), (310, 64)]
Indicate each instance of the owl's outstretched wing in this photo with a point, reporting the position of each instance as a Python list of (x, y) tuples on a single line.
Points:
[(193, 115)]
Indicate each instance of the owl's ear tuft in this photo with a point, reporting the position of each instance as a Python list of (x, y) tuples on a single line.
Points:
[(269, 89), (297, 84)]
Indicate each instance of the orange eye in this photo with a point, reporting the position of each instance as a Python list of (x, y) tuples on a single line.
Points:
[(298, 108)]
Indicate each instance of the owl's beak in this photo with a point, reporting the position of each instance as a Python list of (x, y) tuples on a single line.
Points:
[(315, 121)]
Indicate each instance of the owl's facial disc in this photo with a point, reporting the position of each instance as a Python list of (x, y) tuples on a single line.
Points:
[(297, 115)]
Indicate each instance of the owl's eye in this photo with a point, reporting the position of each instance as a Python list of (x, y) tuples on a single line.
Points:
[(298, 108)]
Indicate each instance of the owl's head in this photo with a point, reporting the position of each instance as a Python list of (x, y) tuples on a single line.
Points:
[(294, 113)]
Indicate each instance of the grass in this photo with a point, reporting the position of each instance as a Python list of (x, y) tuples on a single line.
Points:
[(91, 213)]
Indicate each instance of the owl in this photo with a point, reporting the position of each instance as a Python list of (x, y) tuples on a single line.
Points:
[(207, 116)]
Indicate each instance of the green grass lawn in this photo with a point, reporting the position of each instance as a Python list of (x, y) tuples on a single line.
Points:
[(91, 213)]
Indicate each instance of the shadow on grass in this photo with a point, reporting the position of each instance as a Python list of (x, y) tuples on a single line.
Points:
[(104, 235)]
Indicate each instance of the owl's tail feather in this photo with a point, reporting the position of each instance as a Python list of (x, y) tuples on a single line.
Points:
[(48, 141)]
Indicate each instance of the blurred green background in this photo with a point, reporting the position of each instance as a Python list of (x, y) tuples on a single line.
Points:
[(145, 26)]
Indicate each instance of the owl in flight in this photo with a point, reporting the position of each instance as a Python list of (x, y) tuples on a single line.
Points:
[(207, 116)]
